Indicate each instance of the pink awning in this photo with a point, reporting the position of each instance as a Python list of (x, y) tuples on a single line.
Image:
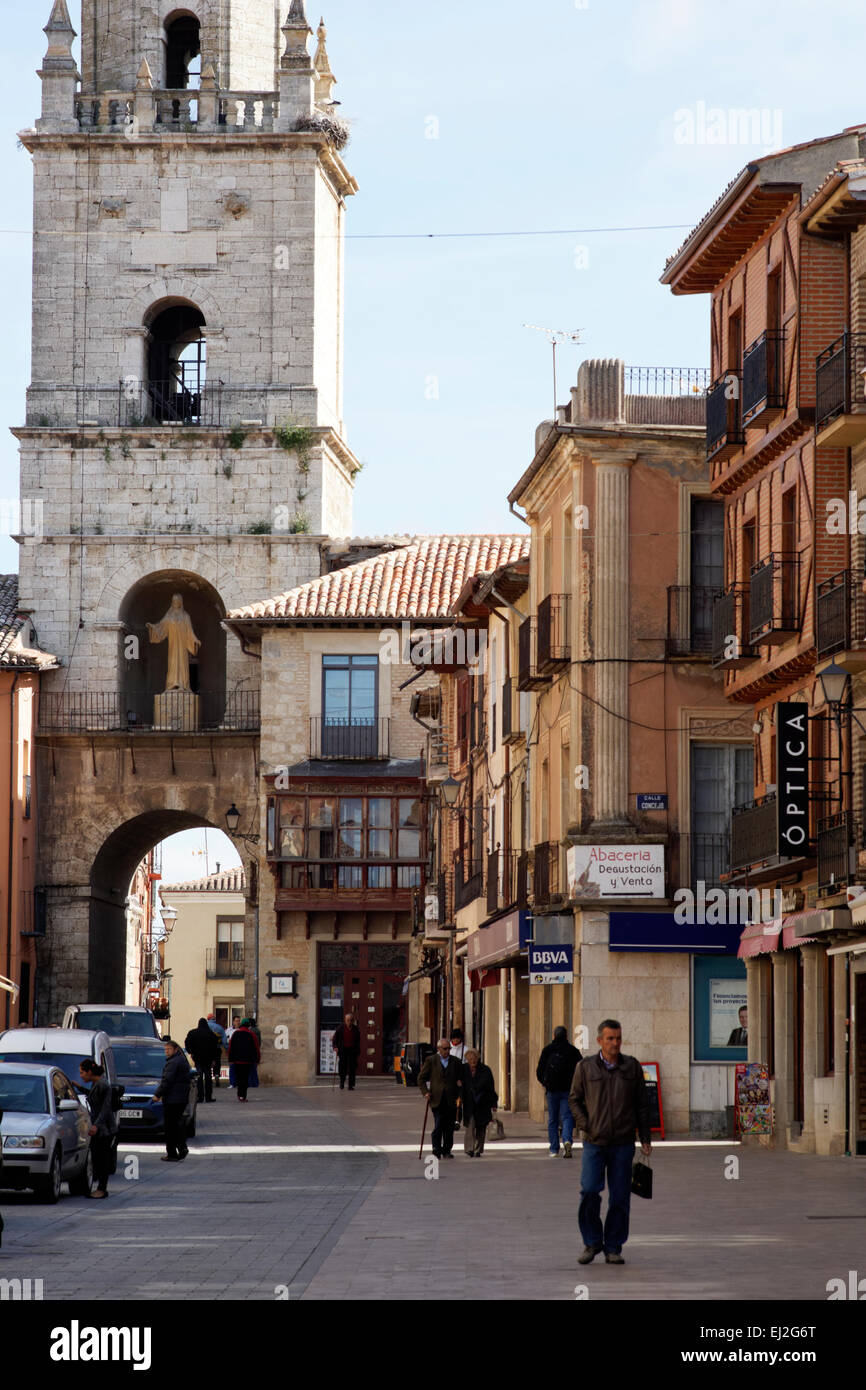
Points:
[(760, 937)]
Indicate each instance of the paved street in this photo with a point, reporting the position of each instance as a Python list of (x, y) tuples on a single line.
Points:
[(290, 1194)]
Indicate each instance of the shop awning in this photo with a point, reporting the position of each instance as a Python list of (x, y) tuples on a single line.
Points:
[(499, 944), (779, 935)]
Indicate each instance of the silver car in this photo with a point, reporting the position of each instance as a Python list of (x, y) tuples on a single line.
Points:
[(45, 1132)]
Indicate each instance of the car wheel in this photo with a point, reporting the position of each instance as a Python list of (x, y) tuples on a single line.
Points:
[(48, 1189), (80, 1186)]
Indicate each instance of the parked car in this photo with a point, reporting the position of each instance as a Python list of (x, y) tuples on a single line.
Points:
[(139, 1063), (117, 1020), (59, 1047), (45, 1131)]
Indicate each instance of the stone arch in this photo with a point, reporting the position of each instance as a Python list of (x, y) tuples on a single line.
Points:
[(182, 40), (113, 867), (178, 557), (176, 288), (142, 663)]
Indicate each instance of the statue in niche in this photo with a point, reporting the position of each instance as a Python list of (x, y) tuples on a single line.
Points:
[(175, 628)]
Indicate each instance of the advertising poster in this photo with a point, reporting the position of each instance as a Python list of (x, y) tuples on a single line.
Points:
[(616, 871), (327, 1055), (754, 1113), (728, 1013)]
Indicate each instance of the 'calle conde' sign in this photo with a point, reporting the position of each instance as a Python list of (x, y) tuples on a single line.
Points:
[(792, 795)]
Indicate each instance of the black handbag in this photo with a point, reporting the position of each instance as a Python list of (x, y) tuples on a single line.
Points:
[(641, 1179)]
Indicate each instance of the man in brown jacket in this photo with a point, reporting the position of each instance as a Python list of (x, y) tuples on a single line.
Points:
[(440, 1079), (608, 1100)]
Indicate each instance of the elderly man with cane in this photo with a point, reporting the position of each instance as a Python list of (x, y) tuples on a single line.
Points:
[(440, 1081)]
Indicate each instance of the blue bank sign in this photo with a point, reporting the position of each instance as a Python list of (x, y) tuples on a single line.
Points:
[(551, 965)]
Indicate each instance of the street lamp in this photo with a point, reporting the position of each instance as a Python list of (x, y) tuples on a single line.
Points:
[(169, 919), (834, 680), (233, 820), (450, 791)]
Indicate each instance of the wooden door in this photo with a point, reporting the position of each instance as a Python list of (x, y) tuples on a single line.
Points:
[(363, 995)]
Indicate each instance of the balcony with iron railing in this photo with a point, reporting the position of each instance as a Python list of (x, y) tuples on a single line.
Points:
[(131, 403), (175, 711), (763, 379), (553, 637), (225, 964), (690, 620), (468, 882), (840, 400), (547, 881), (725, 435), (529, 674), (840, 619), (511, 730), (502, 880), (349, 739), (731, 645), (754, 832), (835, 844), (774, 598)]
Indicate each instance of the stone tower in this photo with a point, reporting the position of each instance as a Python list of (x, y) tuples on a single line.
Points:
[(184, 425)]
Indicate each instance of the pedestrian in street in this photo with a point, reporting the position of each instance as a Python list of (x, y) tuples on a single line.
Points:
[(440, 1079), (244, 1054), (608, 1099), (173, 1091), (458, 1046), (479, 1102), (220, 1034), (202, 1047), (103, 1124), (555, 1071), (347, 1045)]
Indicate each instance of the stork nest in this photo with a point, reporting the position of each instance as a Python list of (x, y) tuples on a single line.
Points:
[(333, 128)]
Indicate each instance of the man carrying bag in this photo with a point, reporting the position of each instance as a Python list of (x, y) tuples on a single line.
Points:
[(609, 1102)]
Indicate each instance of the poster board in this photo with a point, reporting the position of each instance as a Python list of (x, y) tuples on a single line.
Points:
[(327, 1055), (753, 1112), (652, 1077)]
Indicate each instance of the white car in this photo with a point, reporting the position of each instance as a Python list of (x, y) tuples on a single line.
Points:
[(44, 1131), (58, 1047)]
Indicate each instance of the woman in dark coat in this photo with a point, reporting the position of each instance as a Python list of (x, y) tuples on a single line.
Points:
[(103, 1124), (244, 1054), (479, 1102)]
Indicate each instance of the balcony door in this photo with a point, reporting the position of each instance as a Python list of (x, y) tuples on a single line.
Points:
[(349, 706), (707, 575), (722, 776)]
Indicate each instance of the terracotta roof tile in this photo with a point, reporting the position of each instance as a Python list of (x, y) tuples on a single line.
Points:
[(12, 623), (226, 881), (418, 581)]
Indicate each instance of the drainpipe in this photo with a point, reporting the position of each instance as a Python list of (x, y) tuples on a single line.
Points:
[(11, 840), (514, 512)]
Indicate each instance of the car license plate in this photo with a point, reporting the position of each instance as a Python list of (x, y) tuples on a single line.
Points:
[(130, 1114)]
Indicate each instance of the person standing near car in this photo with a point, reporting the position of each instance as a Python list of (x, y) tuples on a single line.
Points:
[(103, 1124), (609, 1102), (555, 1071), (203, 1048), (173, 1091), (244, 1054)]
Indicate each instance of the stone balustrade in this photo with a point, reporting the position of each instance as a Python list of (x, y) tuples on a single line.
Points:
[(157, 110)]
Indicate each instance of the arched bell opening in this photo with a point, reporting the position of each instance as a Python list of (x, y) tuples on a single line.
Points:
[(182, 51), (176, 361)]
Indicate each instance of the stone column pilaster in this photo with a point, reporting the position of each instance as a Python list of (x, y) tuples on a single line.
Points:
[(609, 773)]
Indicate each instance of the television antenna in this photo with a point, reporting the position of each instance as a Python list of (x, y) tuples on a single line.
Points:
[(555, 336)]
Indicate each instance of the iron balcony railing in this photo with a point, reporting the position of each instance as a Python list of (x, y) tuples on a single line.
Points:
[(333, 736), (763, 375), (754, 832), (724, 420), (553, 639), (832, 614), (839, 380), (835, 838), (529, 674), (225, 966), (690, 620), (666, 381), (502, 879), (730, 645), (175, 711), (774, 591), (703, 857), (466, 890), (132, 403), (445, 894), (510, 712), (546, 876)]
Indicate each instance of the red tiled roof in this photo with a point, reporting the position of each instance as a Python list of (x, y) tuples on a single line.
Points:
[(227, 881), (13, 624), (418, 581)]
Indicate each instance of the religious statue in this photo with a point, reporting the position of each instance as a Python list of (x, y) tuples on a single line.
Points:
[(176, 629)]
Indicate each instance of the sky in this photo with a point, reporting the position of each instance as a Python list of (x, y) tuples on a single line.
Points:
[(479, 131)]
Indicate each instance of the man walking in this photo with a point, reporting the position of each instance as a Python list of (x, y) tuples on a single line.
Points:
[(222, 1041), (347, 1045), (244, 1054), (440, 1078), (609, 1102), (173, 1091), (555, 1071), (203, 1048)]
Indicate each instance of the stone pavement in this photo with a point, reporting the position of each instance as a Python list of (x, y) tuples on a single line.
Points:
[(293, 1196)]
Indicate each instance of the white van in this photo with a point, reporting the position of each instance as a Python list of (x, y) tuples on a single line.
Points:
[(117, 1020), (59, 1047)]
